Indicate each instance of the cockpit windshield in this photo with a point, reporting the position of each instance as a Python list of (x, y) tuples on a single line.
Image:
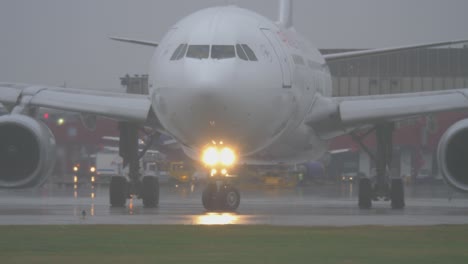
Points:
[(179, 53), (218, 52), (241, 53), (222, 52), (249, 52), (198, 51)]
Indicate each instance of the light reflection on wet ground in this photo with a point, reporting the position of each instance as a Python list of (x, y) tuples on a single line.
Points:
[(335, 205)]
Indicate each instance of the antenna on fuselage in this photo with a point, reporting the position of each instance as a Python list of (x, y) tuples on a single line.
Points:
[(285, 16)]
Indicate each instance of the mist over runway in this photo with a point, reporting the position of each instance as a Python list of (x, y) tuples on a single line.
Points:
[(318, 205)]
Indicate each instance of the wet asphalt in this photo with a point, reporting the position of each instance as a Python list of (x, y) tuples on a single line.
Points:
[(314, 205)]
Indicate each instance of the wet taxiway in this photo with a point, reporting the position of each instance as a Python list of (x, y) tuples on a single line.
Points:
[(321, 205)]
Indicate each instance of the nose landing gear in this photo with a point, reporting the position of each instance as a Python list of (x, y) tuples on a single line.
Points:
[(220, 196)]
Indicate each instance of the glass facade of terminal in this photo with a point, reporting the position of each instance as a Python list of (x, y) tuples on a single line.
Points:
[(401, 72)]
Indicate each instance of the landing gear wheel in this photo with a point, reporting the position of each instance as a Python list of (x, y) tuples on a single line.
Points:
[(397, 194), (118, 191), (229, 198), (365, 193), (150, 191), (209, 197)]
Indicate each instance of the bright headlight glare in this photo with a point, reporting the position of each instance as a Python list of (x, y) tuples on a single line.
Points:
[(213, 172), (211, 156), (227, 156)]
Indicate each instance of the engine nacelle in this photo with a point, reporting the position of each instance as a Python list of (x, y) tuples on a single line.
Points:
[(452, 155), (27, 152)]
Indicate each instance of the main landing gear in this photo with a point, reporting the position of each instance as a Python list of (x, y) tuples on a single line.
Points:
[(220, 195), (384, 186), (121, 187), (146, 188)]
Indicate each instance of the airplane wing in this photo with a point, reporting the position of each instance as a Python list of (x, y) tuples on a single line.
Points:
[(353, 54), (120, 106), (379, 108), (342, 114), (136, 41)]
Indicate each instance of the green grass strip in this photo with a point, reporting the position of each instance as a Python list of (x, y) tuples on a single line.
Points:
[(232, 244)]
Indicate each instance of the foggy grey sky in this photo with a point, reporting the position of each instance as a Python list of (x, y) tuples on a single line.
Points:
[(55, 41)]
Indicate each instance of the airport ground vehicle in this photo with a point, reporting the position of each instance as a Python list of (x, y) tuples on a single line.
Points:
[(181, 172), (350, 172), (281, 179), (84, 171), (108, 164)]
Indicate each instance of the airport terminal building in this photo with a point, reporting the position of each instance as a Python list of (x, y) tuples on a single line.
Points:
[(401, 72)]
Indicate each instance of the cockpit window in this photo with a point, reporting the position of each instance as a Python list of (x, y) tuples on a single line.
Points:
[(249, 52), (198, 51), (241, 53), (179, 52), (218, 52), (222, 52), (182, 52)]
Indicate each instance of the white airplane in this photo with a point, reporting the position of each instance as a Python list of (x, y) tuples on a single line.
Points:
[(233, 88)]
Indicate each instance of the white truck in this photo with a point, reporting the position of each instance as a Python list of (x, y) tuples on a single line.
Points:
[(110, 164)]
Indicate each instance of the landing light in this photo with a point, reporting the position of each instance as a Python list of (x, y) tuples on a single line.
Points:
[(227, 157), (75, 168), (213, 156), (92, 169)]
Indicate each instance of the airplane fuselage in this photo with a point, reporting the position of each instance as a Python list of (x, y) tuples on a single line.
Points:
[(207, 87)]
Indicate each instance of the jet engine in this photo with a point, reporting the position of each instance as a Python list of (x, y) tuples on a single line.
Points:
[(452, 155), (27, 152)]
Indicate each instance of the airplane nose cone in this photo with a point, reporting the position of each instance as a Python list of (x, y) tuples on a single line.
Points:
[(211, 106), (219, 101), (194, 106), (205, 78)]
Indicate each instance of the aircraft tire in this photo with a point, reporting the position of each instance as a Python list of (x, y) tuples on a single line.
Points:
[(118, 191), (150, 191), (230, 198), (397, 194), (365, 193), (210, 197)]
